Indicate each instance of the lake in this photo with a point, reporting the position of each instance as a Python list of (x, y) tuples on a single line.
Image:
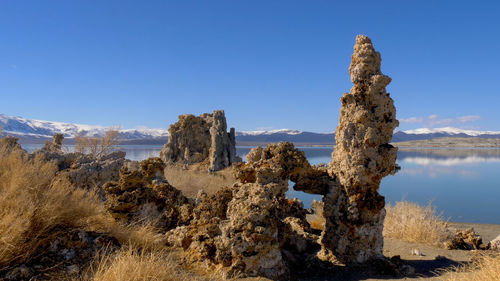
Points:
[(462, 183)]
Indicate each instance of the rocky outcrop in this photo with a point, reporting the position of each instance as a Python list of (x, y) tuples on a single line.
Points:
[(466, 239), (252, 229), (55, 145), (204, 138), (494, 244), (82, 170), (65, 257), (142, 194), (361, 158)]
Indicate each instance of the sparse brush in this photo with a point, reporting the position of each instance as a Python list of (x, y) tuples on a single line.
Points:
[(131, 264), (414, 223), (191, 180), (34, 206), (482, 267), (97, 146)]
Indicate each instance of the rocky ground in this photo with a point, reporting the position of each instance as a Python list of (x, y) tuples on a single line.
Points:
[(426, 260)]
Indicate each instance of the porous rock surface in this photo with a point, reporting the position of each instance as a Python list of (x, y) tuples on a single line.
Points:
[(494, 244), (204, 138), (143, 194), (362, 157), (65, 257), (464, 239), (251, 228)]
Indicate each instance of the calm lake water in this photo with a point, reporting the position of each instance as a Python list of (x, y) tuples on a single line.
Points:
[(462, 183)]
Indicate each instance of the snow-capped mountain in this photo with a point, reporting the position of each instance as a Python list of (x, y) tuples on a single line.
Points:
[(430, 133), (270, 132), (451, 131), (37, 131), (30, 130)]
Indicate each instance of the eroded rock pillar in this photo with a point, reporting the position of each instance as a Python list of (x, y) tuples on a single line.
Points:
[(362, 156)]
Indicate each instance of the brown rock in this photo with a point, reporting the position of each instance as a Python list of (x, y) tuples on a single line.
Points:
[(143, 194), (466, 239), (195, 139), (361, 158)]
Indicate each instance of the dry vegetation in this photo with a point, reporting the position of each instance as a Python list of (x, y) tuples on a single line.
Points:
[(133, 264), (411, 222), (36, 207), (482, 268), (97, 146), (191, 180)]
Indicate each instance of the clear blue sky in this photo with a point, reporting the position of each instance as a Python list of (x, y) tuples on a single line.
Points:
[(268, 64)]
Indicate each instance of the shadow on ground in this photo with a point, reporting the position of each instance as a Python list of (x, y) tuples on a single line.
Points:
[(374, 271)]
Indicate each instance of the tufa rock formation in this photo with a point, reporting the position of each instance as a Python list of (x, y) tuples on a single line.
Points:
[(55, 145), (464, 239), (494, 244), (195, 139), (252, 229), (361, 158), (143, 194)]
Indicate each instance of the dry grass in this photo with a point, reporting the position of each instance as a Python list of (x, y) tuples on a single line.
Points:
[(97, 146), (483, 267), (190, 180), (33, 206), (411, 222), (36, 206), (131, 264)]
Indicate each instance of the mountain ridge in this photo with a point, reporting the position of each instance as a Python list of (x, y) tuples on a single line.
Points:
[(37, 131)]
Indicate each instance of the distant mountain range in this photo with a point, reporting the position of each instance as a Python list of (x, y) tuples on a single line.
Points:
[(37, 131)]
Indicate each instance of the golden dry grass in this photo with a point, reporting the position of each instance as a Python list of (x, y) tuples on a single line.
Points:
[(194, 178), (411, 222), (34, 206), (37, 206), (482, 268), (132, 264)]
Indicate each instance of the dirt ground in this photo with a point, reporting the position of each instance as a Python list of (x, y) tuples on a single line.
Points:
[(431, 260)]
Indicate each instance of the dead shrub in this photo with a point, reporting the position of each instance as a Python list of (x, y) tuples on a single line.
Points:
[(34, 205), (411, 222), (97, 146)]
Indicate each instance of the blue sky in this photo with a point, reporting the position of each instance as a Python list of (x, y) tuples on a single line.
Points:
[(268, 64)]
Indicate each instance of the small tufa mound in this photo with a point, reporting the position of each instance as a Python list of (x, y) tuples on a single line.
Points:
[(196, 139), (142, 194), (466, 239), (55, 145), (494, 244)]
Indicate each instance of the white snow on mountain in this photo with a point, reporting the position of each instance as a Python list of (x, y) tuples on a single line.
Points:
[(450, 131), (45, 129), (30, 127), (269, 132)]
